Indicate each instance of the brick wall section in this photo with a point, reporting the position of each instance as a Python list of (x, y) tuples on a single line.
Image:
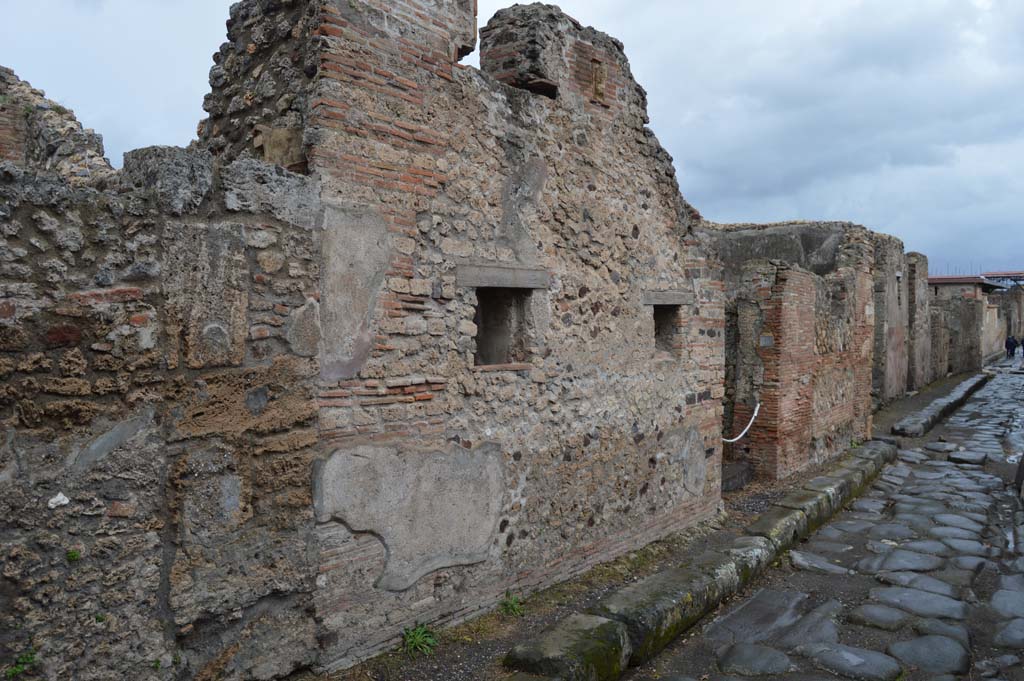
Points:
[(920, 370), (810, 375), (799, 343)]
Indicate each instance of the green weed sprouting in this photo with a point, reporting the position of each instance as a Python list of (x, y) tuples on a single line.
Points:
[(511, 606), (418, 640)]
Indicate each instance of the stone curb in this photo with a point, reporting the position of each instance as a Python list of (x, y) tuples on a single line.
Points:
[(635, 623), (919, 423)]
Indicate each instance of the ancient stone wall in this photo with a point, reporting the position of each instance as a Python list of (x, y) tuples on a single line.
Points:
[(13, 122), (451, 194), (257, 420), (799, 342), (158, 445), (940, 340), (963, 319), (920, 371), (47, 136), (892, 320), (1011, 306), (994, 333)]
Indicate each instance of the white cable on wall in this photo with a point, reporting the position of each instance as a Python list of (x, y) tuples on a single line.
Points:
[(740, 436)]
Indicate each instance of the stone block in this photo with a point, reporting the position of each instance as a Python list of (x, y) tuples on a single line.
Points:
[(815, 505), (784, 527), (838, 490), (501, 276), (578, 648), (179, 178), (659, 608)]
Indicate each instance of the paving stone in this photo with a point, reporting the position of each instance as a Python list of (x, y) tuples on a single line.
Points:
[(891, 531), (767, 612), (830, 533), (992, 666), (852, 526), (817, 626), (1008, 604), (949, 629), (1011, 582), (879, 616), (972, 563), (922, 603), (912, 457), (976, 458), (815, 563), (880, 547), (1011, 635), (941, 447), (947, 532), (900, 560), (828, 546), (855, 663), (869, 505), (955, 576), (967, 546), (937, 654), (954, 520), (976, 517), (917, 581), (751, 659), (929, 546)]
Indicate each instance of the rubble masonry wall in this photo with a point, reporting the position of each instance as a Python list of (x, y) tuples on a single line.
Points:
[(245, 428)]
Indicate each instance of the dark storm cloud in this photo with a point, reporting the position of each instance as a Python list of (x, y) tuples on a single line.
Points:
[(905, 116)]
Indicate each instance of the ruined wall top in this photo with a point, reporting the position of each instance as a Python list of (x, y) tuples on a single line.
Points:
[(39, 134), (821, 247), (260, 83)]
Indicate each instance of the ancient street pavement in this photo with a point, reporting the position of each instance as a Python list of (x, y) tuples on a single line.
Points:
[(921, 578)]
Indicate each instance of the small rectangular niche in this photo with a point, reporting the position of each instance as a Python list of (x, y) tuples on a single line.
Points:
[(667, 336), (502, 326)]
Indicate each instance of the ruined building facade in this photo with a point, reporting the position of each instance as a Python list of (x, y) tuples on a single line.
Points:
[(393, 336)]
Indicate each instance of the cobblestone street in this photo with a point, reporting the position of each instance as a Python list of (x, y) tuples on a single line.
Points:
[(921, 578)]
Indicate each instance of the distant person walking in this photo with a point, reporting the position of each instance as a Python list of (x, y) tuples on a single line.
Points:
[(1011, 347)]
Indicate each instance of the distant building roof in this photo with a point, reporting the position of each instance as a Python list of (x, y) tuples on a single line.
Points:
[(979, 280), (1014, 277)]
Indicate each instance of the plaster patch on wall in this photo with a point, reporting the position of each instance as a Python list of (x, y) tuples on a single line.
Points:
[(685, 448), (430, 509), (355, 259)]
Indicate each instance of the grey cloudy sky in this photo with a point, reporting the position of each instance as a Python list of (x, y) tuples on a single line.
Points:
[(903, 115)]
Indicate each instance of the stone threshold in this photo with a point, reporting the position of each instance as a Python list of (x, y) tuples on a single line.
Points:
[(635, 623), (919, 423)]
